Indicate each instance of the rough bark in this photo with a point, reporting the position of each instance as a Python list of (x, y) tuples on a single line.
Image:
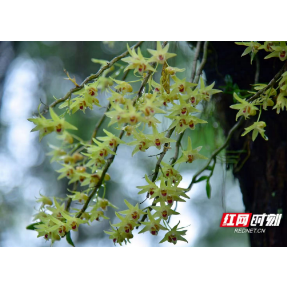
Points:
[(263, 176)]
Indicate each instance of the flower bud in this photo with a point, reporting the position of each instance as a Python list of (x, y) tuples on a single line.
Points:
[(107, 177)]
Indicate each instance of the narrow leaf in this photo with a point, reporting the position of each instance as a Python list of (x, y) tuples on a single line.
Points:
[(33, 226), (208, 189), (69, 239)]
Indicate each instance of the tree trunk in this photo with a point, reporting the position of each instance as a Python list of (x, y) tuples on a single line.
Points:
[(262, 170)]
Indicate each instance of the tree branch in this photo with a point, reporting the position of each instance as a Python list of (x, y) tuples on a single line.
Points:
[(194, 64), (111, 159), (216, 152), (271, 83), (90, 78)]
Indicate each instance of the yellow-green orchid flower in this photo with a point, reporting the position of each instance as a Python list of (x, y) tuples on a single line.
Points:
[(160, 55), (181, 123), (281, 102), (142, 142), (279, 51), (172, 70), (159, 139), (207, 91), (174, 235), (182, 109), (257, 127), (152, 225), (137, 62), (245, 109), (189, 155), (133, 213), (163, 211), (252, 47), (181, 86), (151, 188), (111, 140)]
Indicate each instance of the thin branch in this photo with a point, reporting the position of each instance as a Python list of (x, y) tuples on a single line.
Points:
[(169, 132), (177, 145), (216, 152), (98, 185), (202, 64), (194, 64), (271, 83), (111, 159), (198, 47), (251, 99), (91, 77), (69, 201), (149, 73), (99, 123), (165, 149)]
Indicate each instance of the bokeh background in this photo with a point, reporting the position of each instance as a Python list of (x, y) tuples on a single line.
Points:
[(31, 73)]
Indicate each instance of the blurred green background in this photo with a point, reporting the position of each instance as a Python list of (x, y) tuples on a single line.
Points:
[(32, 72)]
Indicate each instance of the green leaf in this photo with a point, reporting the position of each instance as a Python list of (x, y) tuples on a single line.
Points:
[(33, 226), (201, 178), (209, 167), (208, 189), (69, 239)]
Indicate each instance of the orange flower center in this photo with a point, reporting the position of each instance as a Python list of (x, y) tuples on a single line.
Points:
[(133, 119), (151, 191), (191, 124), (113, 142), (181, 88), (157, 142), (169, 199), (92, 91), (163, 192), (135, 215), (282, 54), (183, 111), (74, 225), (164, 214), (59, 128), (182, 122), (190, 158)]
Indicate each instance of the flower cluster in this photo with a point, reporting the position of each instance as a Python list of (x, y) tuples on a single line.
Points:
[(136, 115), (54, 221), (276, 49), (268, 95), (123, 230), (177, 101)]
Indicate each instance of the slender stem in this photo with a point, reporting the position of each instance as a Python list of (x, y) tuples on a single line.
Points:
[(99, 123), (111, 159), (169, 132), (165, 149), (271, 83), (216, 152), (202, 64), (177, 145), (194, 64), (69, 201), (237, 125)]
